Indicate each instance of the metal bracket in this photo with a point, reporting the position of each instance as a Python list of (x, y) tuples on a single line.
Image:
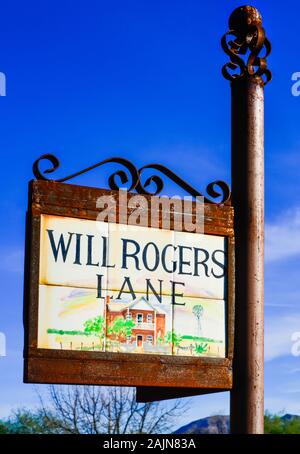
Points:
[(216, 190)]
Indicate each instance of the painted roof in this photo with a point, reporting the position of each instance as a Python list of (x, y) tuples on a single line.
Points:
[(139, 303)]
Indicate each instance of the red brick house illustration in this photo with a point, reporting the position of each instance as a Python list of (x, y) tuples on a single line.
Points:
[(149, 321)]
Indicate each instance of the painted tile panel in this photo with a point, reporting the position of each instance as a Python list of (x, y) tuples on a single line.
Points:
[(70, 319), (199, 328), (201, 264), (73, 251), (131, 289), (138, 325), (138, 254)]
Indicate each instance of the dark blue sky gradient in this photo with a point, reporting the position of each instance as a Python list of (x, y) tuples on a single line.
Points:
[(142, 79)]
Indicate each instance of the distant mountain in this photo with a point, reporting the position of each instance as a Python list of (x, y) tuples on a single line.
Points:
[(289, 417), (212, 425), (216, 425)]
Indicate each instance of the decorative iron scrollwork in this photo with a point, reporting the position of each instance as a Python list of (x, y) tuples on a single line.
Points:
[(215, 190), (245, 24), (39, 175)]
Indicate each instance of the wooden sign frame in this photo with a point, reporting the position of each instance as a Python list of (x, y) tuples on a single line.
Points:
[(105, 368)]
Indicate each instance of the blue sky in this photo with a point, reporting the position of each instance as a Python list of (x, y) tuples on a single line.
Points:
[(142, 79)]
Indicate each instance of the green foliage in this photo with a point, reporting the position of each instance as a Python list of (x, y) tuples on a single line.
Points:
[(201, 348), (95, 326), (4, 427), (202, 339), (28, 422), (121, 328), (160, 340), (172, 338), (62, 332), (274, 424)]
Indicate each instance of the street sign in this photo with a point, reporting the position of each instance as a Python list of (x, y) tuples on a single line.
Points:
[(114, 303), (108, 302)]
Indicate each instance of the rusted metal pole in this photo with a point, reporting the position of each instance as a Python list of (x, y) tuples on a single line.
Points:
[(247, 396), (247, 100)]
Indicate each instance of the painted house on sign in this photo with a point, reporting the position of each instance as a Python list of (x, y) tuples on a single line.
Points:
[(149, 322)]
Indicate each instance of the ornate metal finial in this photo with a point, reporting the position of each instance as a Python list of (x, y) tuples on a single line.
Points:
[(245, 24)]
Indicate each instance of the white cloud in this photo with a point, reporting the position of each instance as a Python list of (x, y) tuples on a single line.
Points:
[(278, 335), (283, 236)]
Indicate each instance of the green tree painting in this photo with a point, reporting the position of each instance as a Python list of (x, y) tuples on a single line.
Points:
[(96, 326), (201, 348), (121, 328), (173, 338)]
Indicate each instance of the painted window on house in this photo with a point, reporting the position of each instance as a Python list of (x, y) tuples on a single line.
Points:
[(149, 318), (149, 340)]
